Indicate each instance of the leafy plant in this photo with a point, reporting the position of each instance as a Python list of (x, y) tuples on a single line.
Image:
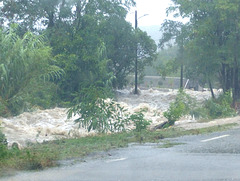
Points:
[(182, 105), (3, 145), (174, 113), (220, 107), (140, 124), (139, 121), (41, 94), (3, 108), (23, 60), (211, 109), (98, 113)]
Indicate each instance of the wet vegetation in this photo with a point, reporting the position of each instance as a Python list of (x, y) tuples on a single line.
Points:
[(220, 107)]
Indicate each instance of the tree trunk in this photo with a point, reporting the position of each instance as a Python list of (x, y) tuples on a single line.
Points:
[(50, 19), (79, 11), (235, 82), (211, 89), (181, 79), (236, 64), (61, 7), (228, 79), (223, 78)]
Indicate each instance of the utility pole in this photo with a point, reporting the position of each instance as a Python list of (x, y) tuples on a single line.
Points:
[(136, 59), (136, 53)]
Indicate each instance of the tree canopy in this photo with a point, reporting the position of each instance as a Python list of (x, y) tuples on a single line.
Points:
[(88, 42), (23, 60), (209, 41)]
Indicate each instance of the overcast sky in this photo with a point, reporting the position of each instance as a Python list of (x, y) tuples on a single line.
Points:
[(156, 10)]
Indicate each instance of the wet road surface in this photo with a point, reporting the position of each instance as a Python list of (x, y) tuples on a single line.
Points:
[(211, 157)]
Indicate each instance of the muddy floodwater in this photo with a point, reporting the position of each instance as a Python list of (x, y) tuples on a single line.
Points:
[(50, 124)]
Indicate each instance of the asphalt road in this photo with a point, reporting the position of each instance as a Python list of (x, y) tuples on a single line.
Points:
[(211, 157)]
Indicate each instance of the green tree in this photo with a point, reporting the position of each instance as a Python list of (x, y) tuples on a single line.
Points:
[(175, 33), (22, 61), (146, 51), (213, 41), (98, 113), (121, 41), (52, 12), (91, 40)]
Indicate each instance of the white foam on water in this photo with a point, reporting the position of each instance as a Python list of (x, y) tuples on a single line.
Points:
[(51, 124)]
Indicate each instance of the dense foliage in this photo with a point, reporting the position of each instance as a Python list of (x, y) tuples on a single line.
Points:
[(76, 45), (3, 145), (208, 43), (218, 108), (185, 105), (25, 65), (96, 112)]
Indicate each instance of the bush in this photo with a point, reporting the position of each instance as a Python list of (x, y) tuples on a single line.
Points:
[(140, 124), (175, 112), (3, 108), (37, 94), (42, 94), (220, 107), (96, 112), (182, 105), (3, 146), (139, 121), (211, 109)]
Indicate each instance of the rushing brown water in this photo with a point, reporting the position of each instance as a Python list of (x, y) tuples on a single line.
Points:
[(45, 125)]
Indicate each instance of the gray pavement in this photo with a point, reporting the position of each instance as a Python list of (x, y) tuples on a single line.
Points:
[(211, 157)]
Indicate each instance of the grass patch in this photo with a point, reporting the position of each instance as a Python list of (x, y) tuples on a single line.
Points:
[(47, 154), (169, 144)]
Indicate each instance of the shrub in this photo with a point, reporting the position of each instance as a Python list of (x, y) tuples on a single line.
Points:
[(98, 113), (140, 124), (3, 108), (211, 109), (220, 107), (42, 94), (182, 105), (139, 121), (24, 60), (3, 146), (175, 112)]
